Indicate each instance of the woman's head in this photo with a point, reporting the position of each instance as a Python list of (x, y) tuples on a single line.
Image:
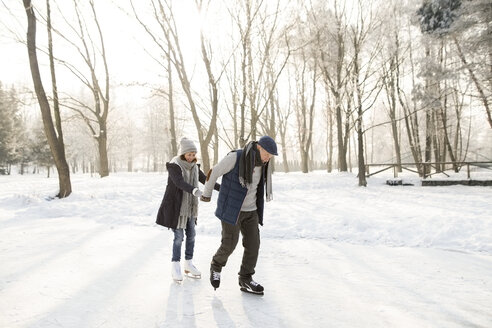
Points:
[(187, 150)]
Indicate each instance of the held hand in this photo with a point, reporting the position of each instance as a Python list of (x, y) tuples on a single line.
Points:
[(197, 192), (205, 199)]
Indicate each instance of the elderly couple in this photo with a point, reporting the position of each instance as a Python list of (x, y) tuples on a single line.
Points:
[(246, 178)]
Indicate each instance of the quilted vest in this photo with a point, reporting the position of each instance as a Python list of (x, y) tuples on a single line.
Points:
[(232, 194)]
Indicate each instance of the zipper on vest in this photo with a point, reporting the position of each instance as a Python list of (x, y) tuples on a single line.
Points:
[(237, 219)]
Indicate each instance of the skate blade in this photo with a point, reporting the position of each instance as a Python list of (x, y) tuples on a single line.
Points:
[(250, 291), (193, 276)]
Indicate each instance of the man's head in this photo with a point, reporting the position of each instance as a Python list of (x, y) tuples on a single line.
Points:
[(267, 147)]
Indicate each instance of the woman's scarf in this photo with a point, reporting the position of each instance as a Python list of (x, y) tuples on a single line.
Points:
[(189, 203)]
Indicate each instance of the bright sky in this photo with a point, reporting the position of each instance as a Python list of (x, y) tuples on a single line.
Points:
[(124, 38)]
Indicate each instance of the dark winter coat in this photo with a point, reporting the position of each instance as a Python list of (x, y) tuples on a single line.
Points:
[(168, 214), (232, 195)]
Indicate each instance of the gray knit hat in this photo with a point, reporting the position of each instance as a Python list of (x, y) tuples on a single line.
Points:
[(186, 146)]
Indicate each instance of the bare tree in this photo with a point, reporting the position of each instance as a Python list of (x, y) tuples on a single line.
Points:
[(262, 61), (409, 104), (471, 33), (446, 149), (335, 67), (389, 76), (169, 44), (245, 27), (55, 137), (154, 144), (213, 81), (480, 88), (232, 106), (304, 107), (365, 36), (435, 23), (95, 112), (283, 121), (172, 120), (392, 71)]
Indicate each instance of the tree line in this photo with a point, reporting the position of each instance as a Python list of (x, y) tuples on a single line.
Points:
[(20, 145), (320, 77)]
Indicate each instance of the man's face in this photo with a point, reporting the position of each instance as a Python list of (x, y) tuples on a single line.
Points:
[(265, 156)]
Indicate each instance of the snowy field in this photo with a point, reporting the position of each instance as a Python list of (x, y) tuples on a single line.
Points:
[(332, 255)]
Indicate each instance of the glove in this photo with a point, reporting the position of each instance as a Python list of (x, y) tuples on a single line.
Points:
[(197, 192), (205, 199)]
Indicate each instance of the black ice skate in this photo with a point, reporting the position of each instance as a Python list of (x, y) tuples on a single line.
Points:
[(251, 286), (214, 278)]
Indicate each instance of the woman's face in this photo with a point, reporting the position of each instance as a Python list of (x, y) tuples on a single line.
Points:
[(190, 157)]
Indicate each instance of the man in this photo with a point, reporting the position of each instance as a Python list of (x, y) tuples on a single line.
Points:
[(240, 206)]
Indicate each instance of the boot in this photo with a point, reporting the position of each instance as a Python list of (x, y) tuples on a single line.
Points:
[(251, 286), (214, 278), (176, 271), (191, 270)]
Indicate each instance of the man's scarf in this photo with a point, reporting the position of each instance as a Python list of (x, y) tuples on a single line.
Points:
[(250, 157), (247, 163), (268, 178)]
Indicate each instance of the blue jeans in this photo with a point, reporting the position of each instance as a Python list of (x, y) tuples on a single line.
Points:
[(190, 241)]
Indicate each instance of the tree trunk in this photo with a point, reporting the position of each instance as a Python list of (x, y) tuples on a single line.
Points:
[(284, 149), (172, 124), (129, 164), (304, 161), (57, 147), (410, 115), (103, 152), (216, 146), (305, 115), (447, 142), (390, 85), (244, 97), (358, 102), (360, 143), (214, 103), (329, 141), (428, 123)]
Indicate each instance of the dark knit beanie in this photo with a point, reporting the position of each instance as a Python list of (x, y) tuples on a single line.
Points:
[(268, 144)]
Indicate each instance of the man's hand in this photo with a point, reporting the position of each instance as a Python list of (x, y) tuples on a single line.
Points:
[(205, 199)]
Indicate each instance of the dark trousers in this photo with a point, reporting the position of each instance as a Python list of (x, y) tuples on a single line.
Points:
[(248, 226)]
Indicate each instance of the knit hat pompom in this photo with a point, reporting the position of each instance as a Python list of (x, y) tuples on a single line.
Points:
[(186, 146)]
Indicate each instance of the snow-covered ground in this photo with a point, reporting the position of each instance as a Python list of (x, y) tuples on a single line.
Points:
[(332, 255)]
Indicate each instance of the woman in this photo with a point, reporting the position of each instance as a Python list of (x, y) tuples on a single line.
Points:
[(179, 207)]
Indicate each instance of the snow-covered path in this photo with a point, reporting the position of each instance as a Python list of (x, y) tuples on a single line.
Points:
[(72, 275), (70, 264)]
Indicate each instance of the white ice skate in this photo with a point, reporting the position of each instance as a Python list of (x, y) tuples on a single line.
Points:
[(176, 271), (191, 271)]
